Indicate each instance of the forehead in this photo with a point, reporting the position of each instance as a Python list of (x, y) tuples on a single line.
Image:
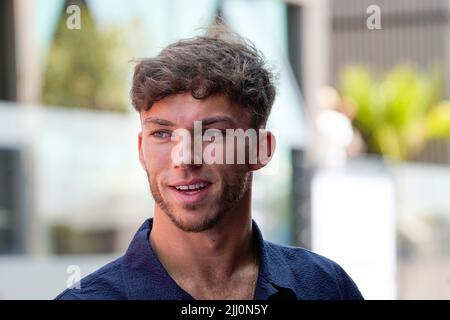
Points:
[(183, 109)]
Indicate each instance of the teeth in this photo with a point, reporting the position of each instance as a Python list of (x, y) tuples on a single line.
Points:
[(191, 186)]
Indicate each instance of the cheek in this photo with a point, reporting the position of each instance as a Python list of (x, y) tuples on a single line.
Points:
[(235, 153), (157, 156), (234, 173), (224, 173)]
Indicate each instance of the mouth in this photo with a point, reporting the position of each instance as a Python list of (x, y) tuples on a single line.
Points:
[(191, 192)]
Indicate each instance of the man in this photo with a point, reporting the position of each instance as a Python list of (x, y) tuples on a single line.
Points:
[(202, 242)]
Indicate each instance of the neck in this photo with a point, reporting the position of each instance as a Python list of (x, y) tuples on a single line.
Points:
[(218, 252)]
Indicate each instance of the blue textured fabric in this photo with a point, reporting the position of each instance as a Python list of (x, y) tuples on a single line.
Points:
[(284, 273)]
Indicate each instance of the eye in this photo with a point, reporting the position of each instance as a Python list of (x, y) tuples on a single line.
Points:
[(159, 134), (213, 134)]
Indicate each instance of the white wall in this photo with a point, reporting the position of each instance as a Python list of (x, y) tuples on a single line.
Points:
[(353, 223)]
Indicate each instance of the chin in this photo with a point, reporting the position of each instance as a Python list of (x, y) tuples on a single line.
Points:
[(192, 221)]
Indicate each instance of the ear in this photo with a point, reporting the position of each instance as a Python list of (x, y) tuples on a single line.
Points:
[(265, 149), (141, 153)]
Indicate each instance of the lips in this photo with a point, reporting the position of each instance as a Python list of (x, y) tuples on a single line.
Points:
[(191, 186), (190, 192)]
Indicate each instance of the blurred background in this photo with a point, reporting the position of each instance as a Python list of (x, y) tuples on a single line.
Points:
[(361, 173)]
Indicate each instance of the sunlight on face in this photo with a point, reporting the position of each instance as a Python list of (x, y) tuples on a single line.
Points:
[(195, 196)]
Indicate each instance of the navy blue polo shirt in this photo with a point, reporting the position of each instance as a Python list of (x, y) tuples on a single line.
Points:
[(285, 272)]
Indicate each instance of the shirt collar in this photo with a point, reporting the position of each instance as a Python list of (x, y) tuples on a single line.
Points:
[(275, 277), (146, 278), (144, 275)]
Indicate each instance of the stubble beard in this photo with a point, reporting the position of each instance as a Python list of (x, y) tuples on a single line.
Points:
[(233, 191)]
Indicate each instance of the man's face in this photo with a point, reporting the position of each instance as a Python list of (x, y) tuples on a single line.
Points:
[(194, 196)]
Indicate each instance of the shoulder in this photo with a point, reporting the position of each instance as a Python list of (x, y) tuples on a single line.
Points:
[(302, 259), (104, 284), (315, 274)]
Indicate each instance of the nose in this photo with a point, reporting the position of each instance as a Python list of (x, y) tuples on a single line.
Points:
[(189, 166), (186, 153)]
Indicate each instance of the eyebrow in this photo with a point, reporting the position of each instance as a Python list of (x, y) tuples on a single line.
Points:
[(159, 121), (211, 120), (205, 121)]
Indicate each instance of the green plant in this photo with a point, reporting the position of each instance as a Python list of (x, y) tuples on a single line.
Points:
[(85, 68), (399, 113)]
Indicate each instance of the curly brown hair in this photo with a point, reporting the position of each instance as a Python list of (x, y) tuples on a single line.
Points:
[(220, 62)]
